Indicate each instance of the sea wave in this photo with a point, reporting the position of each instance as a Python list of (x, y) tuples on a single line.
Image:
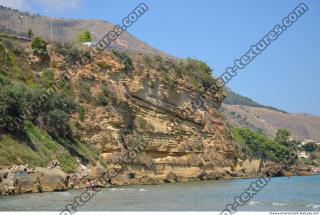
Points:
[(121, 189), (254, 203), (278, 204), (128, 189), (314, 206)]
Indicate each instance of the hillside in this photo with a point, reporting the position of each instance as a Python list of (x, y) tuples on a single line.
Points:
[(65, 30), (237, 99), (301, 126)]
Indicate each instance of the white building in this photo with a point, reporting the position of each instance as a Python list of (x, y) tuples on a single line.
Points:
[(303, 155)]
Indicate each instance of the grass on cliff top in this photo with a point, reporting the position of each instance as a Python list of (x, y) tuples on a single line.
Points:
[(47, 148), (13, 61), (36, 148)]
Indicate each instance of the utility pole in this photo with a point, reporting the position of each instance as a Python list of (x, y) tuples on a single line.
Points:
[(21, 31), (27, 26), (46, 11)]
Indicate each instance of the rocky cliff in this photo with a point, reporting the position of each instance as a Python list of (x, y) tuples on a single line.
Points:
[(154, 104), (123, 100)]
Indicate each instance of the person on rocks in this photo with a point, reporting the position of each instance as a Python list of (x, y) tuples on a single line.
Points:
[(14, 187), (54, 163), (88, 184), (38, 185), (93, 185)]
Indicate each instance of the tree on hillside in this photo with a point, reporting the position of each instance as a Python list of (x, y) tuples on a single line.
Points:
[(30, 33), (282, 137), (84, 36), (310, 147), (39, 47)]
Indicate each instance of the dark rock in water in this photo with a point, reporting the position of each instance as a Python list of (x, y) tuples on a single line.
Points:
[(233, 174), (303, 168), (146, 180), (202, 176), (170, 178), (214, 176)]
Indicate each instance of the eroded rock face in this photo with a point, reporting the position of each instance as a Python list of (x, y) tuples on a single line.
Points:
[(180, 139)]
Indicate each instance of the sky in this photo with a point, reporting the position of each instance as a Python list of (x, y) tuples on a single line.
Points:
[(285, 75)]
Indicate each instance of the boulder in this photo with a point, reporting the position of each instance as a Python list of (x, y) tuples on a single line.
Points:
[(202, 176), (303, 168), (51, 179), (170, 178), (214, 176), (146, 180)]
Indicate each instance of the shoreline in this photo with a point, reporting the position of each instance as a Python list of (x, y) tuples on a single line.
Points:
[(81, 185)]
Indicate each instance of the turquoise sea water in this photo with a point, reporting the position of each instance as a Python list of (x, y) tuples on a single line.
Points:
[(281, 194)]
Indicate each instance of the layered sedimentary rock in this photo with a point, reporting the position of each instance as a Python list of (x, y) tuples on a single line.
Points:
[(181, 140)]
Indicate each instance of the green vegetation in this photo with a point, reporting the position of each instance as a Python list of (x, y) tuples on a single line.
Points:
[(104, 97), (71, 54), (47, 78), (39, 47), (85, 92), (19, 103), (125, 59), (198, 72), (36, 148), (142, 123), (259, 145), (84, 36), (30, 33), (282, 137), (103, 65), (310, 147), (13, 61), (147, 61), (34, 118), (82, 113)]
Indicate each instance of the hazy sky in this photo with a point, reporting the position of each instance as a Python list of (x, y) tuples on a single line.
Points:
[(285, 76)]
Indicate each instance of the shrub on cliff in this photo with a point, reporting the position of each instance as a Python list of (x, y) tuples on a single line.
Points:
[(310, 147), (19, 103), (84, 36), (39, 47), (125, 59), (85, 92), (198, 72), (71, 54), (13, 103), (104, 97)]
